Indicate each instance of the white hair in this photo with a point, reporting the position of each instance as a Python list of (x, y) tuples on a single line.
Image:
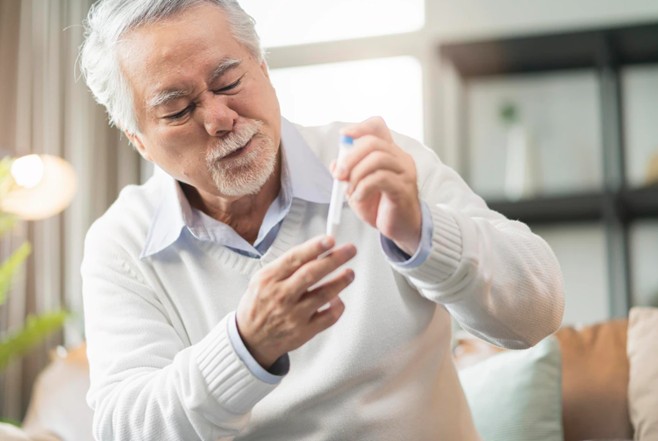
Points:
[(109, 20)]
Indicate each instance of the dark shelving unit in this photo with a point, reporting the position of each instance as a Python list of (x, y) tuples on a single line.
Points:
[(636, 44), (605, 51), (585, 207), (639, 203)]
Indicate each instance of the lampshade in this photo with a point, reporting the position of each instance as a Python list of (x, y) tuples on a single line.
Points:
[(45, 185)]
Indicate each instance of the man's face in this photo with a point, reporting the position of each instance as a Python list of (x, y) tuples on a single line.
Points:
[(206, 109)]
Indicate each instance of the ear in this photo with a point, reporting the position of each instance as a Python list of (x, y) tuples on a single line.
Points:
[(136, 141)]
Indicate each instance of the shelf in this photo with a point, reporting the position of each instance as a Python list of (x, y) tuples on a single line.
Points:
[(640, 202), (584, 207), (603, 52), (636, 44), (547, 210)]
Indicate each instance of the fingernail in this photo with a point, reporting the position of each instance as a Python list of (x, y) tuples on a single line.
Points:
[(340, 172), (327, 242)]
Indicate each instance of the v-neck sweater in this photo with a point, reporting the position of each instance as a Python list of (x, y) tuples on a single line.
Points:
[(162, 366)]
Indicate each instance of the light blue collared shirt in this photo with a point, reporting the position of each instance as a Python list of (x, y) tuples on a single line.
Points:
[(303, 176)]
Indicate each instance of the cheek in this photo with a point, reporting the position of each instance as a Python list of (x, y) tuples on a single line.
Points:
[(270, 99), (177, 141), (173, 144), (169, 134), (258, 101)]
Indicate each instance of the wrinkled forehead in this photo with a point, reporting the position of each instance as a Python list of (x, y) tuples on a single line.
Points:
[(169, 43), (184, 43)]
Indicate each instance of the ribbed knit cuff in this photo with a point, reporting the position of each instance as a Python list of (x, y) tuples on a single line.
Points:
[(445, 254), (402, 259), (228, 380), (274, 374)]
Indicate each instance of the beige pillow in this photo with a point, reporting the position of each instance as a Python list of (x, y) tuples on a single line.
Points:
[(11, 433), (58, 403), (595, 381), (643, 383)]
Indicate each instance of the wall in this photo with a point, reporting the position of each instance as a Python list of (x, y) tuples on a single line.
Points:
[(476, 18)]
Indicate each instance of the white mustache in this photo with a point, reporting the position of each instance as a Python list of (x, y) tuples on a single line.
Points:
[(235, 140)]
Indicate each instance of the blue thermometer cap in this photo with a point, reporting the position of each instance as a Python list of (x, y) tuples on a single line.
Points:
[(346, 139)]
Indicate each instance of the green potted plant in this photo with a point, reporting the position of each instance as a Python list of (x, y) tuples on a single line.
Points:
[(521, 167), (16, 342)]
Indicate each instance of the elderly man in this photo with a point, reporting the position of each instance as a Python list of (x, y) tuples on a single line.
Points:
[(212, 302)]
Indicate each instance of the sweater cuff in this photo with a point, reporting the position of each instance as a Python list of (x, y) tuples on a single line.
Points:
[(445, 254), (402, 259), (274, 374), (228, 379)]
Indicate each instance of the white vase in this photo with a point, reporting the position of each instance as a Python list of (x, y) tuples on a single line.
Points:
[(521, 164)]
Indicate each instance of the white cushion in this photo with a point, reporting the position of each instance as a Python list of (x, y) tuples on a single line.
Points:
[(517, 395)]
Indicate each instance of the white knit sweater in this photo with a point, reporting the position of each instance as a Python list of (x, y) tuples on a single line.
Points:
[(162, 367)]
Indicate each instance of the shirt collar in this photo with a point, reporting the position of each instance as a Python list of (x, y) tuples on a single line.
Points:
[(309, 178), (303, 176)]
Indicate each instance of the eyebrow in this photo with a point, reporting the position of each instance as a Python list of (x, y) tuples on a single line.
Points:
[(168, 95), (224, 66)]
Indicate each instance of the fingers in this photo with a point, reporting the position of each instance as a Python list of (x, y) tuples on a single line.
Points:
[(364, 146), (372, 126), (326, 318), (377, 165), (272, 320), (323, 303), (376, 183), (371, 134), (376, 162), (321, 295), (383, 187), (286, 265), (314, 271)]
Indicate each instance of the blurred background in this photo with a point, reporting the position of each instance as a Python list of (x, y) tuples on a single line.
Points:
[(547, 108)]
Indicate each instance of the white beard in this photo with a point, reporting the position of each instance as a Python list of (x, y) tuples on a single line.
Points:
[(247, 173)]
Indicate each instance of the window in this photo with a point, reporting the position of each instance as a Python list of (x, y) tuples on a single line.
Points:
[(278, 22), (353, 91)]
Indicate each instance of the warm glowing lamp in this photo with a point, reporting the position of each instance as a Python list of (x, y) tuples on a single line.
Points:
[(44, 186)]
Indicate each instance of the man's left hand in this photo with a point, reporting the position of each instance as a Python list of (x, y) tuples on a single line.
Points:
[(382, 183)]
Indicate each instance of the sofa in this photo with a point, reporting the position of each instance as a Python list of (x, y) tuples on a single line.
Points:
[(57, 409), (598, 382)]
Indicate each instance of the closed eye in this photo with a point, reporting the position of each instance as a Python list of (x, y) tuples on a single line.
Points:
[(228, 88), (180, 114)]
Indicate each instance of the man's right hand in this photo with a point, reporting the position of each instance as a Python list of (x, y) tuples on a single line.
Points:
[(279, 311)]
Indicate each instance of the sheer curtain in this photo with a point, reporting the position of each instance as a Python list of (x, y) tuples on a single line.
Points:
[(46, 108)]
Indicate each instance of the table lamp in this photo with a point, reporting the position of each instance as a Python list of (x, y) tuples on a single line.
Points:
[(44, 185)]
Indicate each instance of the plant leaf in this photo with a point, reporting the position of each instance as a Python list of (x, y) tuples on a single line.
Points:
[(7, 222), (9, 266), (10, 421), (35, 330)]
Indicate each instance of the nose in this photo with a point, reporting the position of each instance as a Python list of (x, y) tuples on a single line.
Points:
[(218, 117)]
